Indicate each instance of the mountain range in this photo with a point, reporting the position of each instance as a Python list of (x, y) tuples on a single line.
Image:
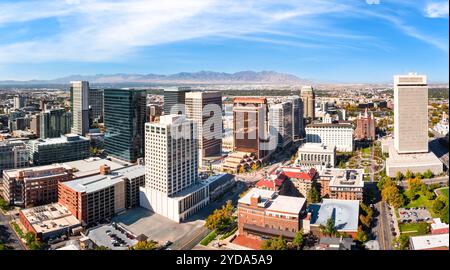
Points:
[(201, 77)]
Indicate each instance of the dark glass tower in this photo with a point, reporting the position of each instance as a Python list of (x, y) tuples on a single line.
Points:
[(124, 118), (175, 96)]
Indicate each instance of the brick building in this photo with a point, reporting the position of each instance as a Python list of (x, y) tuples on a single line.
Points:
[(34, 186), (264, 213), (345, 184), (365, 127), (303, 180)]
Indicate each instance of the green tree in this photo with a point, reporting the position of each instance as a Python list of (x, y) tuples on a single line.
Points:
[(275, 244), (362, 236), (101, 248), (221, 218), (366, 215), (443, 214), (328, 229), (408, 174), (313, 195), (401, 242), (428, 174), (398, 176), (145, 245), (298, 239), (341, 164), (392, 195)]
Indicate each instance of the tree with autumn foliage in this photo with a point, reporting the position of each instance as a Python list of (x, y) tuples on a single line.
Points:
[(221, 218)]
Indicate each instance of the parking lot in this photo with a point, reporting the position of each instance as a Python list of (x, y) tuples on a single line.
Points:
[(415, 214), (111, 237), (156, 227)]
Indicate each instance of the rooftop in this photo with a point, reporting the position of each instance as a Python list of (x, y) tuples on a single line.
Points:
[(269, 200), (344, 177), (264, 195), (63, 139), (50, 217), (298, 173), (317, 147), (97, 182), (37, 172), (338, 125), (344, 212), (433, 241), (91, 166)]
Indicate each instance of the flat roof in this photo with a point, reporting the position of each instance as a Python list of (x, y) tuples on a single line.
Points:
[(431, 241), (411, 160), (317, 147), (68, 138), (91, 166), (339, 125), (265, 195), (38, 172), (97, 182), (287, 204), (344, 212), (100, 237), (50, 217), (344, 177)]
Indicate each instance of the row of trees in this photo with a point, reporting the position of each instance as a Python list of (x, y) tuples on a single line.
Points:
[(390, 193), (408, 175), (221, 219), (278, 243)]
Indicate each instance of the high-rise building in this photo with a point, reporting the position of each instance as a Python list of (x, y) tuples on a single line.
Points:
[(172, 159), (96, 104), (171, 169), (174, 100), (298, 128), (251, 129), (308, 98), (280, 118), (35, 124), (54, 123), (19, 102), (79, 92), (411, 113), (200, 107), (124, 119), (365, 127)]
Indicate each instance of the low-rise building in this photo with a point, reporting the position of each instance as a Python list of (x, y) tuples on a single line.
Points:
[(315, 155), (219, 184), (344, 213), (346, 184), (438, 227), (237, 162), (264, 213), (13, 154), (430, 242), (49, 221), (34, 186), (98, 198), (338, 134), (303, 180), (274, 181)]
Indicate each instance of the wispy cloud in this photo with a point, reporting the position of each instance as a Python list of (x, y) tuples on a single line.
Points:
[(103, 30)]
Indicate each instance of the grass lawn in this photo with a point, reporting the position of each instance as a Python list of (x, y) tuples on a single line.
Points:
[(412, 229), (443, 192), (422, 201)]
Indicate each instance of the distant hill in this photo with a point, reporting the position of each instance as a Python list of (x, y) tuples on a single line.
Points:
[(201, 77)]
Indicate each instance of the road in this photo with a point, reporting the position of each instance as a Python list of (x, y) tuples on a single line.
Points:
[(437, 180), (190, 241), (7, 234), (381, 230)]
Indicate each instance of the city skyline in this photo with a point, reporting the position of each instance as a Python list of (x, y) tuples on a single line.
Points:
[(357, 41)]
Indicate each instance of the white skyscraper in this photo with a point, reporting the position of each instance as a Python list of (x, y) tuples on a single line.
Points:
[(80, 107), (411, 113), (171, 169)]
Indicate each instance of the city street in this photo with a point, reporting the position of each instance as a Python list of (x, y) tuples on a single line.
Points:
[(7, 234), (382, 221)]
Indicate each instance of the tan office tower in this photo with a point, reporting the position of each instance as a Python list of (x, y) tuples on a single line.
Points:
[(308, 98), (410, 113), (205, 109), (79, 94)]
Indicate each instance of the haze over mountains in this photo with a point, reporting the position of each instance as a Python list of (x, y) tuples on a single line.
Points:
[(201, 77)]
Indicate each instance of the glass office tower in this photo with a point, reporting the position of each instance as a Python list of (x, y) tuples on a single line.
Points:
[(124, 118)]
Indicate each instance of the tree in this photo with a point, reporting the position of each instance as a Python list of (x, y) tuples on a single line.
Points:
[(408, 174), (341, 164), (443, 214), (401, 242), (438, 205), (328, 229), (101, 248), (384, 181), (298, 239), (362, 236), (241, 169), (254, 167), (366, 216), (398, 176), (274, 244), (392, 195), (221, 218), (428, 174), (145, 245), (313, 195)]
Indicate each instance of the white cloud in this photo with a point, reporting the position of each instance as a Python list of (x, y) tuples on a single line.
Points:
[(105, 30), (437, 9)]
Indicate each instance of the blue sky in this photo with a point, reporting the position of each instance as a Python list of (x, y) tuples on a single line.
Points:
[(323, 40)]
